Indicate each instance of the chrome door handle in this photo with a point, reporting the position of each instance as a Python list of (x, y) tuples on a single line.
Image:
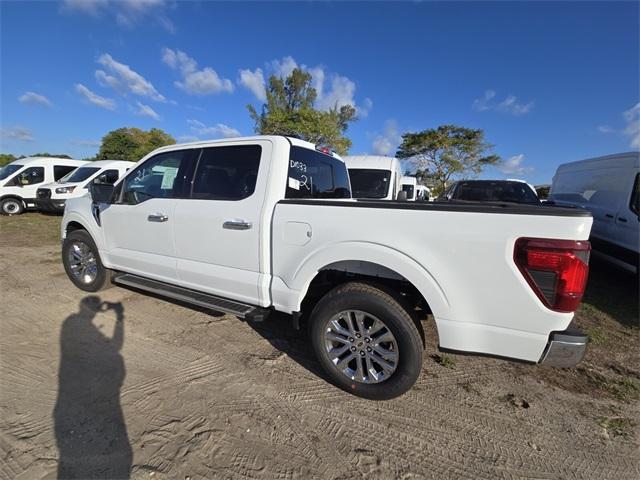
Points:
[(158, 217), (237, 225)]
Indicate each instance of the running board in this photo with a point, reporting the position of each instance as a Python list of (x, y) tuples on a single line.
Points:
[(218, 304)]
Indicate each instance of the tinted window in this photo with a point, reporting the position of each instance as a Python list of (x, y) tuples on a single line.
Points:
[(604, 186), (227, 173), (634, 203), (486, 191), (30, 176), (108, 176), (161, 176), (60, 171), (315, 175), (80, 174), (8, 170), (409, 190), (368, 183)]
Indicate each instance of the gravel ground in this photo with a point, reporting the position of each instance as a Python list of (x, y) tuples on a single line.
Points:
[(120, 384)]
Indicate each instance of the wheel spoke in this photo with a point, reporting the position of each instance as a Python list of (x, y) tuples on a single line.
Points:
[(337, 352), (360, 370), (385, 336), (345, 361), (335, 326), (336, 337), (360, 322)]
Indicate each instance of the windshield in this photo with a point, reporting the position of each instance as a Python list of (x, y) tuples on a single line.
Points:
[(79, 174), (487, 191), (9, 169), (368, 183)]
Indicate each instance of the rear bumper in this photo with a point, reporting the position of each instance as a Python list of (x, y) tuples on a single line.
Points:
[(51, 205), (565, 349)]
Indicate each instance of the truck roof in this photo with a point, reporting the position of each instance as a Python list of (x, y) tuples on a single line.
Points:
[(208, 143), (372, 162)]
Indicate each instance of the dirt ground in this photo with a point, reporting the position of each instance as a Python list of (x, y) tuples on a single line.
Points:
[(120, 384)]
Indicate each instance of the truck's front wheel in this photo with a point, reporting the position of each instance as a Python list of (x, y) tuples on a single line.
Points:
[(366, 341), (82, 262)]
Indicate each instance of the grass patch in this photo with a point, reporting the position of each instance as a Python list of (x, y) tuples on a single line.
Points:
[(617, 426), (444, 361), (596, 335), (31, 229)]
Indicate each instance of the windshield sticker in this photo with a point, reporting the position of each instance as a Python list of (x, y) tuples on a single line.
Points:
[(294, 183)]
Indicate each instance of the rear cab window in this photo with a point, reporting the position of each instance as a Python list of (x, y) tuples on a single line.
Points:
[(313, 174)]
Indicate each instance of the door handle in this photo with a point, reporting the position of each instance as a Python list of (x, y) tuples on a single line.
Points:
[(608, 215), (237, 225), (158, 217), (622, 219)]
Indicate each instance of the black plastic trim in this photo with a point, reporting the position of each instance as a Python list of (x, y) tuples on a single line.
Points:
[(485, 207)]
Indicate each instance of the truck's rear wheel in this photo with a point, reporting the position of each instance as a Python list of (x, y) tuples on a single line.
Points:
[(366, 341), (82, 262), (11, 206)]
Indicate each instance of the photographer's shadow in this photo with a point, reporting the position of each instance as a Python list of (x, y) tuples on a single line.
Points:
[(91, 434)]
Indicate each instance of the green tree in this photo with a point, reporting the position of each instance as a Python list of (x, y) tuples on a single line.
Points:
[(132, 143), (6, 158), (289, 110), (46, 154), (447, 153)]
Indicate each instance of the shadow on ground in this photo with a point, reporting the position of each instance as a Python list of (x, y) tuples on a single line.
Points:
[(90, 430)]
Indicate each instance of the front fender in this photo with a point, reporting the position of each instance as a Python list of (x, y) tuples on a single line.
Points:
[(418, 275), (78, 210)]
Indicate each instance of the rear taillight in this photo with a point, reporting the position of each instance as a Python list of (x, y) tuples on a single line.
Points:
[(556, 270)]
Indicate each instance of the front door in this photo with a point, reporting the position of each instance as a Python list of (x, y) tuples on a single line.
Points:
[(139, 227)]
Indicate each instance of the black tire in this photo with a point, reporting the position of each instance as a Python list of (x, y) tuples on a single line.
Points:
[(11, 206), (103, 275), (374, 301)]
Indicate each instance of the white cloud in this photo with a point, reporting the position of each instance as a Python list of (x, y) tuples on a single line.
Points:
[(283, 68), (254, 81), (510, 104), (16, 133), (33, 98), (387, 142), (94, 98), (127, 13), (146, 111), (605, 129), (632, 130), (124, 80), (364, 109), (219, 130), (515, 166), (194, 81)]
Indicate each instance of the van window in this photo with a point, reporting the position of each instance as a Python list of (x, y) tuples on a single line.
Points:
[(227, 173), (161, 176), (409, 189), (79, 175), (369, 183), (9, 169), (593, 186), (60, 171), (29, 176), (108, 176), (634, 203), (316, 175)]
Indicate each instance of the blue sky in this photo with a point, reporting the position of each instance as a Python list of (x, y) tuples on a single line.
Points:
[(548, 82)]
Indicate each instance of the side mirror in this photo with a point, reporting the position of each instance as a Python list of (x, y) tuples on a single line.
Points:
[(101, 192), (402, 196)]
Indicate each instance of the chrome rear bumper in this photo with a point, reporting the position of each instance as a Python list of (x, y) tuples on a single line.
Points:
[(565, 349)]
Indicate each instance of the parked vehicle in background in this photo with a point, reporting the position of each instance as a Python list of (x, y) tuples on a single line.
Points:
[(513, 191), (20, 179), (423, 194), (607, 187), (52, 197), (251, 225), (409, 186), (374, 176)]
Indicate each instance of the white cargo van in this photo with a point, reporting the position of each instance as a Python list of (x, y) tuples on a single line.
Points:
[(52, 197), (374, 176), (608, 188), (20, 179), (409, 185)]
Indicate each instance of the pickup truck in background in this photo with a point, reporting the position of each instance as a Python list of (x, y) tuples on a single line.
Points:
[(514, 191), (252, 225)]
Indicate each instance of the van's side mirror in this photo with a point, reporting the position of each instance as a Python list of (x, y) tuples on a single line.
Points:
[(402, 196), (101, 192)]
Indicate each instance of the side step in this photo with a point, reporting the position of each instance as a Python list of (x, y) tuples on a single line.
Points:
[(218, 304)]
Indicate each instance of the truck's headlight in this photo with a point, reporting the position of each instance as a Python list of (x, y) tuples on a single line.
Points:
[(65, 189)]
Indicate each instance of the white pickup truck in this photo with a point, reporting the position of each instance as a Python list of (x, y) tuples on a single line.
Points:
[(251, 225)]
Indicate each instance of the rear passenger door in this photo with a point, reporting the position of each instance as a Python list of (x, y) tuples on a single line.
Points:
[(218, 231)]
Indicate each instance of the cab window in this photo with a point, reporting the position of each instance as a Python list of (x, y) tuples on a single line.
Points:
[(227, 173), (29, 176), (161, 176), (316, 175)]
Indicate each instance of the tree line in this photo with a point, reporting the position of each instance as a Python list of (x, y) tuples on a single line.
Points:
[(435, 155)]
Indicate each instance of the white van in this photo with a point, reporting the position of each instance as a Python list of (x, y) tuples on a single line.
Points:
[(423, 194), (608, 188), (409, 185), (20, 179), (374, 176), (53, 196)]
